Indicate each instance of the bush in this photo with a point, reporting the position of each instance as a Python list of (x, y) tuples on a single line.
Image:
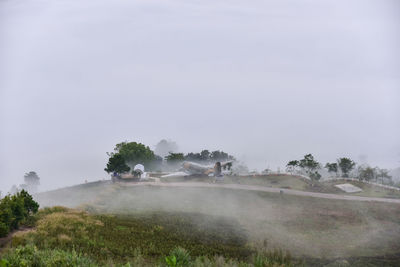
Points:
[(31, 256), (16, 209), (3, 229), (178, 257)]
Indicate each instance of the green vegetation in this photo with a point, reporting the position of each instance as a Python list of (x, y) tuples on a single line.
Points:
[(129, 153), (15, 210), (307, 164), (332, 168), (116, 163), (368, 190), (346, 165), (207, 156), (213, 227), (32, 256), (174, 157), (66, 237)]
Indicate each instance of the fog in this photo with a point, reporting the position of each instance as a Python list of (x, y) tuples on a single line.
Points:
[(301, 225), (266, 81)]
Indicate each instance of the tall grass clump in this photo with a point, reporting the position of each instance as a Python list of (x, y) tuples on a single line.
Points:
[(275, 257), (31, 256)]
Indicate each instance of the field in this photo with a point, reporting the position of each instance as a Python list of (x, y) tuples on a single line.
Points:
[(368, 189), (296, 183), (280, 181), (317, 231)]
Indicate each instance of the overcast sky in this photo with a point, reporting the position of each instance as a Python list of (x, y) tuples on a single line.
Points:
[(267, 81)]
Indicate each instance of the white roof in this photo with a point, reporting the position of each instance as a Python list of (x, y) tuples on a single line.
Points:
[(349, 188)]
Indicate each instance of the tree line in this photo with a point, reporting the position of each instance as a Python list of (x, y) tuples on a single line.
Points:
[(127, 154), (342, 167)]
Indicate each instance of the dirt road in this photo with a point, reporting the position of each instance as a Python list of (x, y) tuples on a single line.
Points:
[(265, 189)]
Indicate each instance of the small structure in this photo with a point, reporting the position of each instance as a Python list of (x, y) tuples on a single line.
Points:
[(348, 188)]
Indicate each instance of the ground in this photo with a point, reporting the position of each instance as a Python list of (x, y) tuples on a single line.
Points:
[(317, 230), (297, 183)]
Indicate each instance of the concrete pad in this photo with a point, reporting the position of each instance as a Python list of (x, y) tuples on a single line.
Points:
[(348, 188)]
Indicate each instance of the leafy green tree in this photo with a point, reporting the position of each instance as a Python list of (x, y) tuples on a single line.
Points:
[(309, 164), (6, 215), (346, 165), (291, 166), (129, 153), (135, 153), (332, 167), (16, 209), (116, 163), (30, 205)]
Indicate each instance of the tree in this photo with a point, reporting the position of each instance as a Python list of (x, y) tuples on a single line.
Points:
[(32, 181), (309, 164), (367, 173), (332, 167), (193, 157), (205, 155), (164, 147), (30, 205), (16, 209), (175, 157), (131, 153), (291, 166), (383, 174), (220, 156), (116, 163), (31, 178), (315, 175), (346, 165)]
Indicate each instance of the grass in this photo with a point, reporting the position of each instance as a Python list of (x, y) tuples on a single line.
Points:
[(368, 189), (32, 256), (318, 230), (65, 237), (296, 183), (278, 181)]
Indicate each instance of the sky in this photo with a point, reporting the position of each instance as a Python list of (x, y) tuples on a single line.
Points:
[(266, 81)]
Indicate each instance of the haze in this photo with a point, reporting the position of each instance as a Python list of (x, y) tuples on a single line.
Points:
[(266, 81)]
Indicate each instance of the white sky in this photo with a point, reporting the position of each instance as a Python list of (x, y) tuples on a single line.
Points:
[(267, 81)]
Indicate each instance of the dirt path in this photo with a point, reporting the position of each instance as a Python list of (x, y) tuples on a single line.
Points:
[(265, 189), (6, 240)]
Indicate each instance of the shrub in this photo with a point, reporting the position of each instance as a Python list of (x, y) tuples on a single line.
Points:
[(272, 258), (3, 229), (31, 256), (178, 257), (16, 209)]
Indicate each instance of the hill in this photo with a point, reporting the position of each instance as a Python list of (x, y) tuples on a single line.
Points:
[(311, 229)]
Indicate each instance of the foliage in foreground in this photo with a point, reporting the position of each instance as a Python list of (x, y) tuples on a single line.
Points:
[(66, 237), (31, 256), (15, 210)]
